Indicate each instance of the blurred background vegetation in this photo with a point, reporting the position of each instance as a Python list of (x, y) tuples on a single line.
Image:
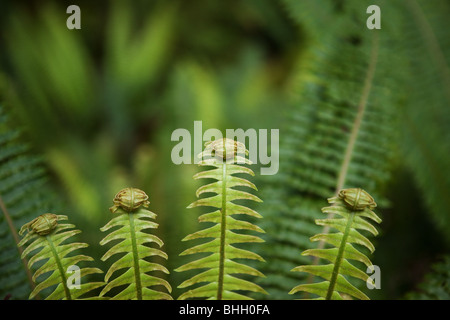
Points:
[(99, 105)]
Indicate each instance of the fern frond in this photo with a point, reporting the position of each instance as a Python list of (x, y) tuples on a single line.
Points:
[(426, 134), (23, 192), (342, 129), (129, 226), (220, 264), (350, 220), (436, 285), (49, 237)]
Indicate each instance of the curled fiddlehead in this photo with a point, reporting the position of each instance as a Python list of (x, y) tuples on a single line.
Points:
[(352, 206), (132, 219), (48, 236), (220, 280)]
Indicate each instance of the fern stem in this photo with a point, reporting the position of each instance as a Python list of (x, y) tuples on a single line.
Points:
[(60, 268), (16, 240), (137, 273), (223, 225), (340, 255)]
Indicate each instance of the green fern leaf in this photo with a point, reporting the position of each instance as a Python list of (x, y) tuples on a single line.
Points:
[(49, 238), (132, 220), (221, 282), (342, 249), (23, 192), (341, 132)]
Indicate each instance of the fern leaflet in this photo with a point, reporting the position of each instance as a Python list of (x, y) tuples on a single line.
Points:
[(352, 218), (132, 220), (221, 266), (48, 236)]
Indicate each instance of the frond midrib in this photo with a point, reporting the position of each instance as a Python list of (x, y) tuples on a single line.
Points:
[(339, 257), (137, 274), (223, 227)]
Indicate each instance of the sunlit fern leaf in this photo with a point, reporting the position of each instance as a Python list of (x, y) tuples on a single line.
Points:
[(49, 237), (336, 285), (221, 267), (129, 227), (23, 192)]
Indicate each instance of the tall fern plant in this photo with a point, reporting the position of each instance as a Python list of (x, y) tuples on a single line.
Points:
[(49, 241), (354, 209), (225, 156), (129, 225), (341, 132)]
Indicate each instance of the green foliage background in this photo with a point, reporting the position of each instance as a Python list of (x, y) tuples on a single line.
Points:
[(99, 104)]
